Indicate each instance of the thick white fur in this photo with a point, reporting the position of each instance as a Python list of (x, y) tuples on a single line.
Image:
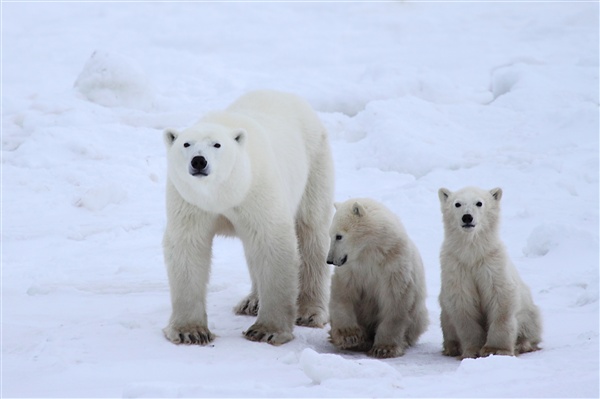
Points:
[(378, 289), (486, 308), (269, 181)]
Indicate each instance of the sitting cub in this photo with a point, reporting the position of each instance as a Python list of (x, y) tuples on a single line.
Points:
[(486, 308), (378, 289)]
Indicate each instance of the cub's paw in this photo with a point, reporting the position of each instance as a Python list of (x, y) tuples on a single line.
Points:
[(470, 353), (261, 333), (189, 335), (451, 348), (385, 351), (247, 306), (312, 317), (487, 351), (526, 346), (348, 338)]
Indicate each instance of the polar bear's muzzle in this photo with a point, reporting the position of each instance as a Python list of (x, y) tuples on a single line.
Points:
[(467, 220), (199, 166), (331, 260)]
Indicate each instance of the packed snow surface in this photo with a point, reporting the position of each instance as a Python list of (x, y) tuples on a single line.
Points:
[(416, 96)]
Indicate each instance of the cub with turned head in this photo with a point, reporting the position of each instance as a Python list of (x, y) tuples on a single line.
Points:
[(378, 288)]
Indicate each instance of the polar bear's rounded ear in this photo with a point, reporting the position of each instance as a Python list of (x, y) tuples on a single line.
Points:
[(170, 136), (239, 135), (358, 210), (496, 193), (444, 193)]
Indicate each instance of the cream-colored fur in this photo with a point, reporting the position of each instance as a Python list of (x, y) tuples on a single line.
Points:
[(260, 170), (486, 308), (378, 289)]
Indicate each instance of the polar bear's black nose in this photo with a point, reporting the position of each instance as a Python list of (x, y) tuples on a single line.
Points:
[(467, 218), (199, 162)]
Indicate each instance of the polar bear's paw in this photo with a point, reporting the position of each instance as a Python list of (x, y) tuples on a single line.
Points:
[(348, 338), (470, 353), (189, 335), (451, 348), (312, 317), (526, 346), (487, 351), (261, 333), (385, 351), (247, 306)]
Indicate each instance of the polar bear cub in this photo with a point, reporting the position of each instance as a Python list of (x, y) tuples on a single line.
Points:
[(486, 308), (378, 288), (260, 170)]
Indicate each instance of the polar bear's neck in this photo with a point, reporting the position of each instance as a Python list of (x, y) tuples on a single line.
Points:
[(471, 247)]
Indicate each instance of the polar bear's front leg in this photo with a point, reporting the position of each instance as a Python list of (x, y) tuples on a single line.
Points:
[(345, 333), (274, 264), (188, 266), (390, 336)]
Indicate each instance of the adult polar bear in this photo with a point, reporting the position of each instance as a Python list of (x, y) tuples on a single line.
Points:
[(260, 170)]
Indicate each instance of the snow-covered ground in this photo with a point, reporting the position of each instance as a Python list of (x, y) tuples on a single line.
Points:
[(416, 96)]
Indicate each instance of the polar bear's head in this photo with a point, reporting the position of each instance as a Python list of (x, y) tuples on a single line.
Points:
[(470, 210), (208, 165), (360, 225)]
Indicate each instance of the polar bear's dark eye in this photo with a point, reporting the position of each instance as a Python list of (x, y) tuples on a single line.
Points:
[(217, 145), (457, 205), (479, 204), (338, 237), (186, 145)]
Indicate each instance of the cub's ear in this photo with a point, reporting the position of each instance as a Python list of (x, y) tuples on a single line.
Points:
[(358, 210), (239, 135), (496, 193), (444, 193), (170, 136)]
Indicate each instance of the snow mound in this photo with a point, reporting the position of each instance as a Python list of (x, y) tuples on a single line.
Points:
[(543, 239), (323, 367), (98, 198), (114, 80), (487, 364)]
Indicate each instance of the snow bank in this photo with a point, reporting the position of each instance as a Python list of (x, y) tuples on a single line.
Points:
[(114, 80)]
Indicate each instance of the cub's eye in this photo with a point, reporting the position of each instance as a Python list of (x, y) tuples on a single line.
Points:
[(186, 145), (479, 204), (217, 145), (458, 205), (338, 237)]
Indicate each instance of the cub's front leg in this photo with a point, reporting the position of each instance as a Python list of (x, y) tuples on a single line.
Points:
[(345, 331), (390, 337)]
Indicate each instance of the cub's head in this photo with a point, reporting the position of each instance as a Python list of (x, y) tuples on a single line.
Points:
[(351, 230), (470, 210), (207, 164)]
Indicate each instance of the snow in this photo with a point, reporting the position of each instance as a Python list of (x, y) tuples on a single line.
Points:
[(415, 95)]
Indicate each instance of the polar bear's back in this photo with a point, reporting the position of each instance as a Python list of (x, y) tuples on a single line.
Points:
[(277, 111), (286, 139)]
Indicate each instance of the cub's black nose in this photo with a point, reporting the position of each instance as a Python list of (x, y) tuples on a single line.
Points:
[(199, 162), (467, 218)]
